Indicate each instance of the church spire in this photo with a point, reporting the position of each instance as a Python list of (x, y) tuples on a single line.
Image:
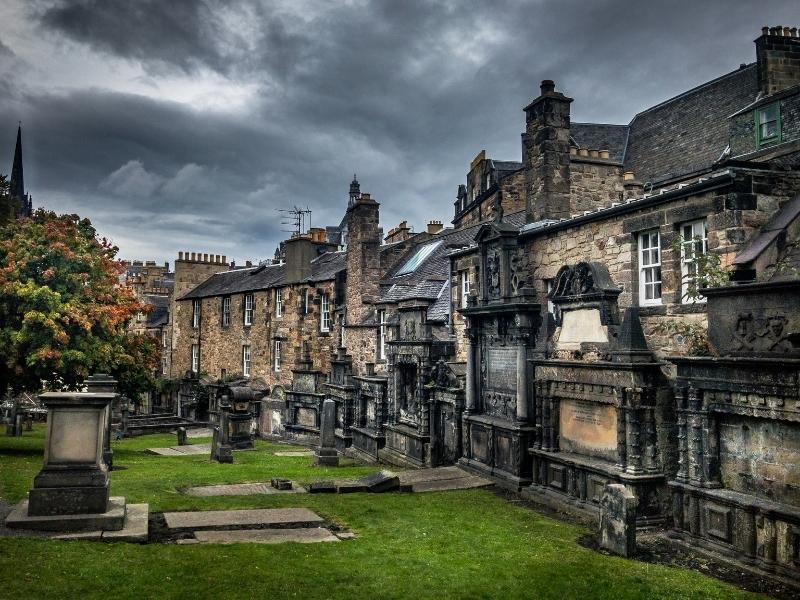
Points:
[(17, 184), (355, 191)]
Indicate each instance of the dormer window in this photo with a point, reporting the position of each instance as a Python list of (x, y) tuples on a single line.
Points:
[(768, 124)]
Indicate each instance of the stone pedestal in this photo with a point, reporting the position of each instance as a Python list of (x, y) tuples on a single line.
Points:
[(326, 455), (71, 492)]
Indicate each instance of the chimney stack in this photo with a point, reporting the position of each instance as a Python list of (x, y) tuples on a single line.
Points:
[(778, 59), (434, 227), (545, 152)]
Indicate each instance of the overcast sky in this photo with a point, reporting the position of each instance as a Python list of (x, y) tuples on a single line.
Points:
[(184, 125)]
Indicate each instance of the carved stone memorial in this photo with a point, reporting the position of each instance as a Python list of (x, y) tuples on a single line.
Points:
[(618, 520), (326, 455)]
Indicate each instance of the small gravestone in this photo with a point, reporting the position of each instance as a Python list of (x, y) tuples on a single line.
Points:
[(618, 520), (326, 455), (220, 450), (351, 487), (181, 436), (281, 484), (382, 481), (322, 487)]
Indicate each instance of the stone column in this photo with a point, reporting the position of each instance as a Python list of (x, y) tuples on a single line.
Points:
[(634, 433), (101, 382), (470, 378), (522, 381), (622, 438)]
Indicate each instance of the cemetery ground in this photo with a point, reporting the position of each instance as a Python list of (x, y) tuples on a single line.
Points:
[(468, 543)]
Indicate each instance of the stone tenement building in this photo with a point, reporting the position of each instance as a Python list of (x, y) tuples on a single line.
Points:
[(555, 339)]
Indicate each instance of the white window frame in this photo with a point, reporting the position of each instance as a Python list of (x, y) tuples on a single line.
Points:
[(245, 360), (650, 268), (324, 313), (195, 358), (163, 338), (196, 313), (689, 248), (278, 303), (248, 309), (382, 334), (276, 356), (466, 288), (226, 311)]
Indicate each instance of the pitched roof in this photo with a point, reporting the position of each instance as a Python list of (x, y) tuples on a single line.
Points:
[(160, 313), (689, 132), (264, 277), (430, 279), (601, 136)]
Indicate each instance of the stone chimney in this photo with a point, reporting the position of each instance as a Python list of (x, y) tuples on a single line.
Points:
[(398, 234), (363, 257), (778, 59), (434, 227), (299, 252), (545, 155)]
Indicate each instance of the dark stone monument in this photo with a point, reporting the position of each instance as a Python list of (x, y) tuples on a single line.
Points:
[(618, 520), (181, 431), (326, 454), (281, 484), (322, 487)]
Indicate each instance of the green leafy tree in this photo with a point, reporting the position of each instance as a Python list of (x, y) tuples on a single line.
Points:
[(63, 312)]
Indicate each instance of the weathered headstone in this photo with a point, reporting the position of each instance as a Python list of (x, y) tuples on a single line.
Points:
[(618, 520), (382, 481), (181, 436), (326, 455), (220, 449)]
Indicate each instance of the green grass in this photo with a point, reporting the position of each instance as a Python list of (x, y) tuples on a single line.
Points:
[(465, 544)]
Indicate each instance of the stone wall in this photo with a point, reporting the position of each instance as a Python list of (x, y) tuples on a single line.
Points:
[(778, 59), (594, 182), (512, 188), (221, 347)]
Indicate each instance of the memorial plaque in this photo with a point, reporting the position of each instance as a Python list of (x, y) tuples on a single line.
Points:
[(370, 412), (501, 368), (589, 428), (578, 326), (74, 436), (276, 422), (304, 382), (307, 417)]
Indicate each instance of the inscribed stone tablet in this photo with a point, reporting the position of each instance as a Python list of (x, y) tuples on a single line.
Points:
[(307, 417), (582, 325), (501, 372), (73, 436), (589, 428)]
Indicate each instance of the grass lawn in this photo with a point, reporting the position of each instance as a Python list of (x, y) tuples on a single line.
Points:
[(465, 544)]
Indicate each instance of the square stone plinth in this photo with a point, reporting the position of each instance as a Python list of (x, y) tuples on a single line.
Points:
[(62, 501), (111, 520), (326, 457)]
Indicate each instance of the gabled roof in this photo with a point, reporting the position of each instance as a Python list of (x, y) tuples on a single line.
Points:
[(160, 314)]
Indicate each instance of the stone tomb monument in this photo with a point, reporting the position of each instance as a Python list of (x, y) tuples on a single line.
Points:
[(326, 454), (71, 492)]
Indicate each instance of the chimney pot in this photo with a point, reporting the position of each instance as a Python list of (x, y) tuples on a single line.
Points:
[(573, 150), (765, 31), (628, 176), (787, 32), (583, 152), (793, 31), (194, 256), (604, 154), (205, 257), (594, 153), (548, 86), (180, 255), (224, 258), (248, 263)]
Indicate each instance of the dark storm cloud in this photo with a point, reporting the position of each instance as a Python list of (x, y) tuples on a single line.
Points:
[(404, 93)]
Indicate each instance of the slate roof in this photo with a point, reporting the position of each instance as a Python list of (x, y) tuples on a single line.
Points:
[(601, 136), (264, 277), (689, 132), (160, 314), (430, 280)]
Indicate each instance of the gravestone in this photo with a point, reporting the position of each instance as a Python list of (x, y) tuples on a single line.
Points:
[(221, 451), (326, 455), (618, 520), (382, 481), (322, 487), (181, 436), (103, 383)]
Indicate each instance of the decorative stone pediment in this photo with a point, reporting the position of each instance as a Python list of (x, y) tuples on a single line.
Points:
[(583, 282)]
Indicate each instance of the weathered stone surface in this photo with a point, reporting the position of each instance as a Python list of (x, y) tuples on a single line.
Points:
[(112, 519), (326, 454), (241, 489), (265, 517), (188, 450), (308, 535), (382, 481), (443, 485), (135, 528), (322, 487), (351, 487), (202, 432), (295, 454), (618, 520)]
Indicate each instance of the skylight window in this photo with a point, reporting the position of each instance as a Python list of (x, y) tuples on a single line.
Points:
[(418, 258)]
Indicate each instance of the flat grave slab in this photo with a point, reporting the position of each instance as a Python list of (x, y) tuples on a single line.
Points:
[(434, 474), (202, 432), (296, 453), (307, 535), (240, 489), (188, 450), (443, 485), (264, 517)]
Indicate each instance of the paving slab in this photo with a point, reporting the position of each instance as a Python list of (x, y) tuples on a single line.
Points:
[(199, 433), (188, 450), (442, 485), (434, 474), (307, 535), (295, 454), (136, 525), (240, 489), (264, 517)]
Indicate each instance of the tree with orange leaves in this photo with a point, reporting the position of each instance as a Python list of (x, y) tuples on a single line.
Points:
[(63, 312)]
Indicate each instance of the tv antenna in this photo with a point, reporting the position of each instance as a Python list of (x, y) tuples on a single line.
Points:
[(295, 219)]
